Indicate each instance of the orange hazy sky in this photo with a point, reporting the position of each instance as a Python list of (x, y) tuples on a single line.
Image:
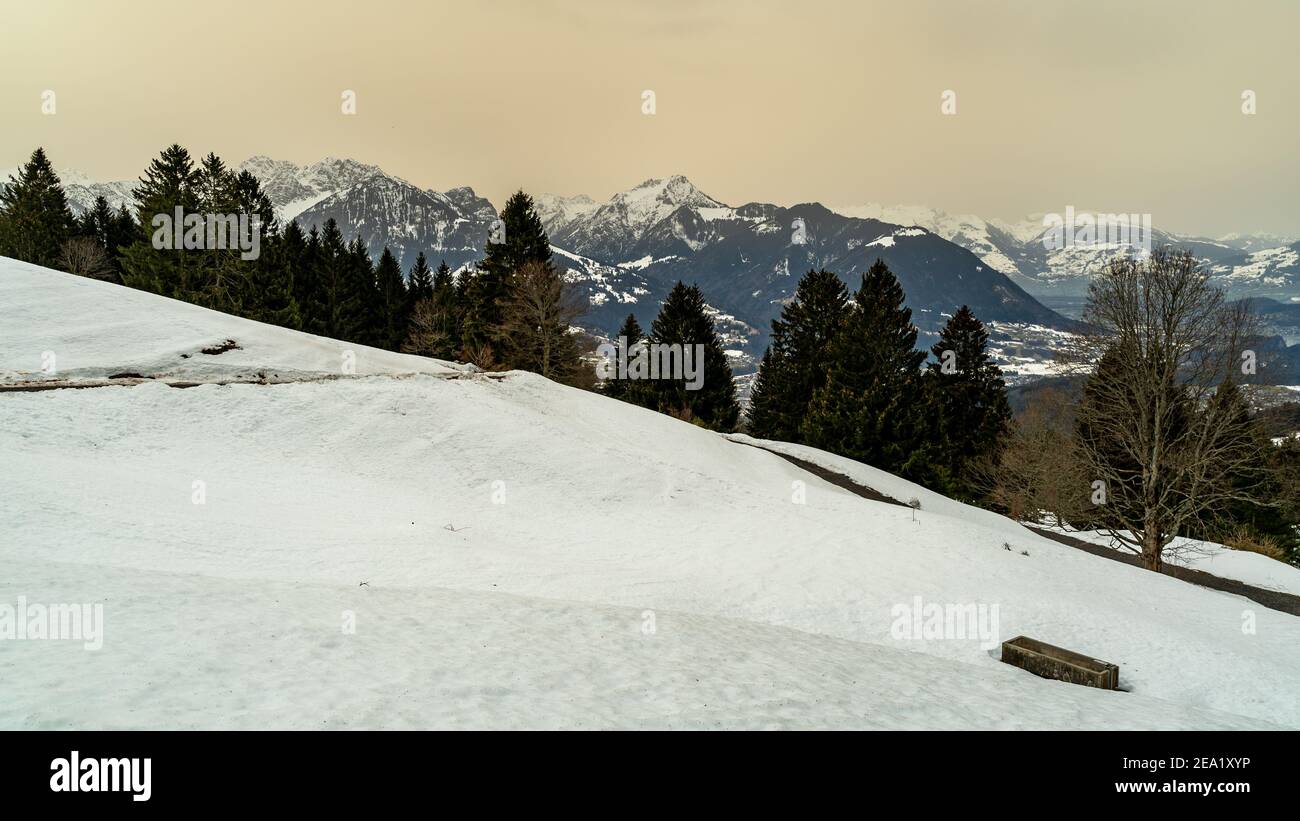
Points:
[(1128, 106)]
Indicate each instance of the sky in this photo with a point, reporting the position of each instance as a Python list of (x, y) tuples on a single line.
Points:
[(1132, 107)]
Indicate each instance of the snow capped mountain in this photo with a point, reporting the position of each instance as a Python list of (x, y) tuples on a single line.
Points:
[(559, 211), (81, 190), (1255, 242), (604, 231), (295, 188), (628, 251), (748, 259), (1245, 264), (389, 212), (990, 240)]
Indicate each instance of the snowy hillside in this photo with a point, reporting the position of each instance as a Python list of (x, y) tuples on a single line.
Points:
[(516, 553)]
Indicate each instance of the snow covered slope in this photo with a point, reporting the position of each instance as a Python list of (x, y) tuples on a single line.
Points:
[(518, 553), (61, 328)]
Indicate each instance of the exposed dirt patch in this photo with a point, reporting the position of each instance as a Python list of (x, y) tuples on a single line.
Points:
[(214, 350)]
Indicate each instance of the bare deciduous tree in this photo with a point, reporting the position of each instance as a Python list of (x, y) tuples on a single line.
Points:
[(537, 313), (85, 257), (1040, 471), (433, 328), (1153, 425)]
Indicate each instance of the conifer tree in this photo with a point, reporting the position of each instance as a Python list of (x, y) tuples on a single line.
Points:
[(798, 358), (684, 320), (628, 337), (113, 230), (362, 321), (764, 414), (274, 300), (443, 276), (436, 319), (871, 408), (392, 302), (226, 281), (970, 413), (336, 306), (168, 182), (522, 239), (35, 220), (308, 286), (1253, 480), (419, 283)]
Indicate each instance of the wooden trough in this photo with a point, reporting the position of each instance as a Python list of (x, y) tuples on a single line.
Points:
[(1049, 661)]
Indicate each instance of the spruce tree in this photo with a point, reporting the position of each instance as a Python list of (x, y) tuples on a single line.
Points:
[(798, 357), (35, 220), (684, 320), (392, 302), (628, 337), (274, 301), (970, 413), (225, 282), (443, 276), (308, 284), (336, 307), (419, 283), (871, 408), (764, 416), (522, 239), (168, 182), (363, 320)]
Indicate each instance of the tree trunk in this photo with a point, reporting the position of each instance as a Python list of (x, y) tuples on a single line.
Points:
[(1151, 550)]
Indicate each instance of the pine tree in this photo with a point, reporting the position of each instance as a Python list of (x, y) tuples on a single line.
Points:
[(35, 220), (393, 303), (522, 240), (122, 233), (871, 408), (971, 415), (274, 301), (683, 320), (443, 276), (335, 306), (764, 415), (308, 285), (227, 282), (629, 336), (798, 358), (419, 283), (168, 182), (362, 321)]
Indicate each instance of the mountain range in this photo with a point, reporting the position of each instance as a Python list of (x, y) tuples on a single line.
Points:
[(1247, 265), (629, 250)]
